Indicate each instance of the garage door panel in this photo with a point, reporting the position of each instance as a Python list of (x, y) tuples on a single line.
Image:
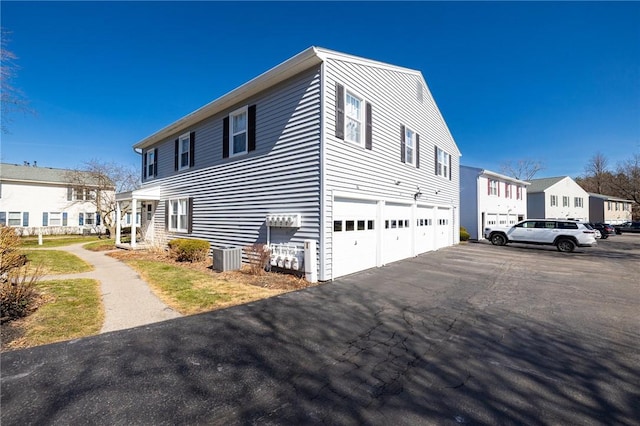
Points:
[(397, 234), (354, 236), (425, 230), (444, 225)]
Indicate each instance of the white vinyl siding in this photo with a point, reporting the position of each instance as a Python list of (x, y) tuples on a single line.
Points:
[(232, 196), (379, 172)]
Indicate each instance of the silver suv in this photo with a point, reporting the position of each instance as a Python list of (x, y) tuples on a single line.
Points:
[(566, 235)]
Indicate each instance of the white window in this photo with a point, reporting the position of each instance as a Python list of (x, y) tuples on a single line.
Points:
[(238, 132), (90, 219), (554, 200), (354, 114), (442, 166), (183, 151), (178, 213), (409, 146), (565, 201), (577, 202), (55, 219), (493, 187), (151, 161), (15, 218)]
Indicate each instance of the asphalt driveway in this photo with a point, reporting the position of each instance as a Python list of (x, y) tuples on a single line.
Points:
[(473, 334)]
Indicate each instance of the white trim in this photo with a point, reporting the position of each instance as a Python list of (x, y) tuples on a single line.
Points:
[(182, 137), (362, 120), (407, 129), (244, 110), (179, 213), (150, 152)]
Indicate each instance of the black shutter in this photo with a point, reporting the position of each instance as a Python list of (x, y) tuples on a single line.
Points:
[(435, 156), (449, 166), (417, 151), (339, 111), (144, 165), (166, 215), (155, 162), (368, 140), (402, 145), (192, 148), (225, 137), (251, 129), (175, 159), (190, 215)]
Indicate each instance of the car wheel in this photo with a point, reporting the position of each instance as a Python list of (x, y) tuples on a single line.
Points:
[(605, 236), (498, 240), (565, 246)]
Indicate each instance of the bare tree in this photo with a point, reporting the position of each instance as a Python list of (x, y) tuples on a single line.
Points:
[(11, 98), (524, 169), (104, 180), (597, 176), (627, 179)]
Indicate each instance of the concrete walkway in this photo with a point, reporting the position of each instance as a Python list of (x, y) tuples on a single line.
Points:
[(128, 300)]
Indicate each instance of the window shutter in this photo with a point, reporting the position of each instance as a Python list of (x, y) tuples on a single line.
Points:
[(368, 141), (97, 219), (192, 148), (155, 162), (225, 137), (166, 215), (190, 215), (3, 218), (449, 166), (69, 194), (64, 219), (498, 185), (45, 219), (251, 129), (488, 186), (144, 165), (435, 156), (339, 111), (417, 151), (25, 219), (177, 151), (80, 219), (402, 145)]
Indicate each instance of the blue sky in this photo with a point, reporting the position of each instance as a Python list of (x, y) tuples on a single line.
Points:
[(549, 81)]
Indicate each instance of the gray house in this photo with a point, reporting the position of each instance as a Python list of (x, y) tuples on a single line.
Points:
[(329, 152)]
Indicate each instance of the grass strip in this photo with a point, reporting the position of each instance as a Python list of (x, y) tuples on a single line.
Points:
[(71, 309), (56, 262), (56, 241), (191, 292)]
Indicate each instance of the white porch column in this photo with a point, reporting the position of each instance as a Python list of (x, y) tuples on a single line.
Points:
[(118, 222), (134, 214)]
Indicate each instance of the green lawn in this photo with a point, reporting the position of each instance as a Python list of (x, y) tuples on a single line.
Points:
[(73, 310), (190, 292), (56, 262), (56, 241)]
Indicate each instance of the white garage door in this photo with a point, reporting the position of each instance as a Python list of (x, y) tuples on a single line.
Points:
[(444, 228), (425, 229), (397, 232), (354, 236)]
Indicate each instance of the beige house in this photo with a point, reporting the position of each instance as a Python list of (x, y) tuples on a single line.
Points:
[(608, 209)]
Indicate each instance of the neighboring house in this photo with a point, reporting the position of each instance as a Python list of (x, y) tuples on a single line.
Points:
[(489, 199), (557, 198), (345, 154), (34, 199), (608, 209)]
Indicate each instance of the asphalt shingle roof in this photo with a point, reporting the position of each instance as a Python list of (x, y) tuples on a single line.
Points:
[(540, 185), (33, 173)]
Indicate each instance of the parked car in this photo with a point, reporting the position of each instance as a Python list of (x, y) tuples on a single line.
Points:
[(605, 229), (566, 235), (628, 227)]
